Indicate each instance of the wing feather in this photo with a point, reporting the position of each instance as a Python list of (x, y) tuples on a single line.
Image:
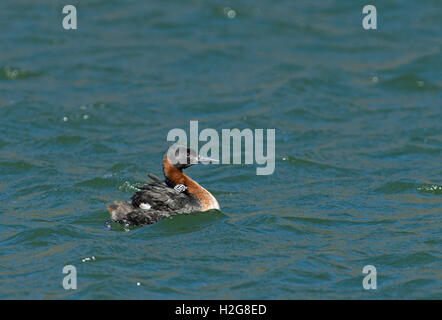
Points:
[(164, 198)]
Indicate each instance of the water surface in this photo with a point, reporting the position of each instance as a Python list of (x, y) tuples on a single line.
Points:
[(84, 116)]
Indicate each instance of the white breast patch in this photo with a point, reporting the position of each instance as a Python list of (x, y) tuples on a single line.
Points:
[(145, 206)]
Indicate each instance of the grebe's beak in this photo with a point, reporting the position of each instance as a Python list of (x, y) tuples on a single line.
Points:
[(206, 160)]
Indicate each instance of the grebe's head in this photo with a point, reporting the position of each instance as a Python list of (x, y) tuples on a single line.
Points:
[(182, 157)]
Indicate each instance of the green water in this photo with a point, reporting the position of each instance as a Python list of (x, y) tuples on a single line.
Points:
[(84, 116)]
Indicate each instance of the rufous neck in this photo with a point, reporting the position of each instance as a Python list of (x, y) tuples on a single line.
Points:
[(172, 173), (176, 176)]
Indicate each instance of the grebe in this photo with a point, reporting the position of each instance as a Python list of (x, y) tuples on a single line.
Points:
[(159, 199)]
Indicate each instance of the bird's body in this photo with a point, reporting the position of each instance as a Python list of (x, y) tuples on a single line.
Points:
[(159, 199)]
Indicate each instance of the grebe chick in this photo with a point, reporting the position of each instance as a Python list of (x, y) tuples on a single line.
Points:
[(161, 199)]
